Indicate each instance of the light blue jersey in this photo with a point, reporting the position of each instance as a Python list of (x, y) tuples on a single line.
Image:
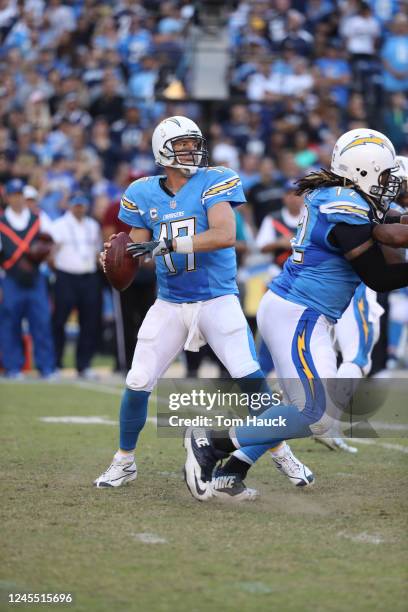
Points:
[(196, 276), (317, 274)]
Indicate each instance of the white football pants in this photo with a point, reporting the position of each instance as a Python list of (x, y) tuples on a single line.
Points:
[(169, 327), (358, 330), (299, 340)]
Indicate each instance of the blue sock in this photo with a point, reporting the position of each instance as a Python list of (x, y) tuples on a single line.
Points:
[(251, 454), (253, 383), (256, 374), (133, 414), (247, 384), (296, 425)]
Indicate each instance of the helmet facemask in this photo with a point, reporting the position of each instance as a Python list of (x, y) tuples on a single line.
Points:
[(188, 160), (387, 190)]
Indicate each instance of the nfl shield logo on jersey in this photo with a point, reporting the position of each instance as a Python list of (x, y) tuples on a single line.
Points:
[(153, 213), (173, 204)]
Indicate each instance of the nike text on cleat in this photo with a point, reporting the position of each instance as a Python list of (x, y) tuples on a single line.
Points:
[(200, 462), (117, 474), (298, 473), (231, 487)]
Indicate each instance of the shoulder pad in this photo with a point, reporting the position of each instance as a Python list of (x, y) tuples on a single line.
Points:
[(220, 180), (133, 198), (344, 205)]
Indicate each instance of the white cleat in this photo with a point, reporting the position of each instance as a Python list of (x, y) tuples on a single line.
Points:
[(118, 473), (231, 488), (286, 462), (336, 444)]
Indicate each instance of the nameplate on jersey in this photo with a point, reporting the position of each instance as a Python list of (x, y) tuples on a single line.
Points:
[(344, 207), (173, 215)]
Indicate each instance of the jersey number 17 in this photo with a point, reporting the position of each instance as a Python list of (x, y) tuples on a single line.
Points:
[(182, 227)]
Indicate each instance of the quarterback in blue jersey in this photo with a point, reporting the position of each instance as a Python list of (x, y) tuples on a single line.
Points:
[(333, 251), (185, 220)]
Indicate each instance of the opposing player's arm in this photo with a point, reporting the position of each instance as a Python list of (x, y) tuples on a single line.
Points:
[(395, 216), (393, 256), (394, 234), (367, 258)]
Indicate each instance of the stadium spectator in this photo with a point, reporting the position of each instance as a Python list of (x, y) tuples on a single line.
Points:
[(24, 293), (142, 83), (30, 195), (396, 121), (333, 74), (394, 54), (78, 242), (56, 186), (127, 131), (278, 228), (265, 196), (109, 102), (361, 33), (297, 37)]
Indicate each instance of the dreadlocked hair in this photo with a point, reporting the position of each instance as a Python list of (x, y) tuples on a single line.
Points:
[(320, 178)]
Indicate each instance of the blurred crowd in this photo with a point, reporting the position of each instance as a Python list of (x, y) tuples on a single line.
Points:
[(84, 82)]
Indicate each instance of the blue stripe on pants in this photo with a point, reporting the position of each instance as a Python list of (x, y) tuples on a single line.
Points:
[(315, 404)]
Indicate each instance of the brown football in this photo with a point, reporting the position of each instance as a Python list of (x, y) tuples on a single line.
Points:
[(120, 267)]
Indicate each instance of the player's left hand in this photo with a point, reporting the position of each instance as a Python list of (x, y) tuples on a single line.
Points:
[(151, 249)]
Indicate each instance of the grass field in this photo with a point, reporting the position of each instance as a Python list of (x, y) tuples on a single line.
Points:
[(342, 545)]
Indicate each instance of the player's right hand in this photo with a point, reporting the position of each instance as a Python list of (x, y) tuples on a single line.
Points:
[(106, 245)]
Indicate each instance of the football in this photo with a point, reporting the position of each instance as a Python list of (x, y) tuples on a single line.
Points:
[(120, 267)]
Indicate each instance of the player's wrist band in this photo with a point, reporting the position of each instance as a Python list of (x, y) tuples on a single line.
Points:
[(184, 244)]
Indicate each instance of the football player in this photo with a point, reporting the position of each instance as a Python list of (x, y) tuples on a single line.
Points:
[(355, 335), (185, 219), (398, 300), (333, 251)]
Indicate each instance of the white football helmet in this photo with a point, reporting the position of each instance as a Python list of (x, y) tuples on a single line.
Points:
[(167, 133), (367, 159)]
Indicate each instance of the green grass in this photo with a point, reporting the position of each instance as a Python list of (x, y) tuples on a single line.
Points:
[(292, 550)]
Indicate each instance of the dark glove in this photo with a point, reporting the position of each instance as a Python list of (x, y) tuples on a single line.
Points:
[(151, 249)]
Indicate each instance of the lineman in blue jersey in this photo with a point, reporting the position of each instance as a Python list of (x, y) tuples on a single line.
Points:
[(185, 220), (333, 252)]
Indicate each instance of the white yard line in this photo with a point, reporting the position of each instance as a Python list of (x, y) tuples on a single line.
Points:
[(363, 537), (79, 420), (149, 538), (389, 426), (386, 445), (118, 392)]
